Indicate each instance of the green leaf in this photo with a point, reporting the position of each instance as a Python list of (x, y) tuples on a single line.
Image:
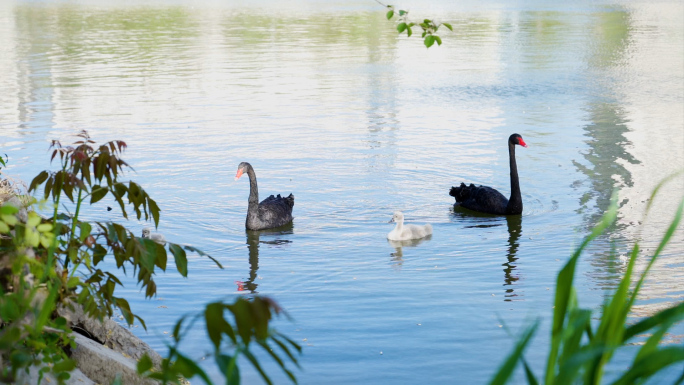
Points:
[(66, 365), (45, 227), (149, 254), (438, 40), (47, 308), (154, 210), (504, 373), (651, 344), (409, 31), (189, 368), (587, 354), (401, 27), (278, 360), (285, 349), (86, 228), (38, 180), (8, 209), (180, 258), (390, 14), (151, 289), (142, 322), (429, 41), (144, 364), (160, 260), (651, 364), (565, 290), (402, 12), (125, 308), (98, 193), (213, 316), (673, 314), (448, 26), (203, 254), (229, 368), (99, 253), (257, 366), (531, 379)]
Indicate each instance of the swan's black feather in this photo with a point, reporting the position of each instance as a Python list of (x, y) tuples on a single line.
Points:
[(480, 198), (275, 211)]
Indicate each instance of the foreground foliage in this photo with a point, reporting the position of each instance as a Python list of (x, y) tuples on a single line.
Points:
[(48, 263), (580, 349)]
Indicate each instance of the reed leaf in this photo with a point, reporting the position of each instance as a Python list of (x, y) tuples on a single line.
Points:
[(504, 373)]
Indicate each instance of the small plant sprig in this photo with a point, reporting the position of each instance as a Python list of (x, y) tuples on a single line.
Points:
[(429, 27)]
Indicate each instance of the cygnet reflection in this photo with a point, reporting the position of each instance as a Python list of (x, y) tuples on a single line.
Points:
[(398, 254)]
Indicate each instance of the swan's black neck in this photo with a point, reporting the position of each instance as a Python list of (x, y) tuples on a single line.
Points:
[(515, 205), (253, 190)]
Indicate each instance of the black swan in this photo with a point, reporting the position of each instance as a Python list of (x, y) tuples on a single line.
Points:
[(274, 211), (487, 200)]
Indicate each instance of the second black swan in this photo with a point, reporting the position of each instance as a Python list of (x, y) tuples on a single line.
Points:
[(274, 211), (487, 200)]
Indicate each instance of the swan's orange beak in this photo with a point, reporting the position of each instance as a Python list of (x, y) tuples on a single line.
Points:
[(239, 174), (522, 142)]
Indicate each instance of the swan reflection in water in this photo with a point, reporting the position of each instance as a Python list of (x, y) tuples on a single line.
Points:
[(254, 239), (398, 254), (514, 225)]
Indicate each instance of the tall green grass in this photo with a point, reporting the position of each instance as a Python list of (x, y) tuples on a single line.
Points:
[(580, 349)]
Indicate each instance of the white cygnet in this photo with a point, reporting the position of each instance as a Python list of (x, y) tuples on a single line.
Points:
[(159, 238), (405, 232)]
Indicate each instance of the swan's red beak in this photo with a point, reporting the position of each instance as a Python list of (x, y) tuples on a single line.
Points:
[(239, 174), (522, 142)]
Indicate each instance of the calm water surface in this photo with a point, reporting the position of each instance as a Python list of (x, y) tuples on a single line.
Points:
[(326, 101)]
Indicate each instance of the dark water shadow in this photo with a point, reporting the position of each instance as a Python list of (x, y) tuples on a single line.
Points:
[(254, 239), (398, 254)]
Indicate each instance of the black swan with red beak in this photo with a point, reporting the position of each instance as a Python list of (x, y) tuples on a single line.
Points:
[(487, 200), (274, 211)]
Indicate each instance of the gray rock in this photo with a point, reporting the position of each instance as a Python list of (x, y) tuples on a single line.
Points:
[(103, 365), (109, 333), (31, 378)]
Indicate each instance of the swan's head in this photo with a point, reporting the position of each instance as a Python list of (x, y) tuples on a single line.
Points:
[(146, 232), (397, 217), (517, 139), (242, 168)]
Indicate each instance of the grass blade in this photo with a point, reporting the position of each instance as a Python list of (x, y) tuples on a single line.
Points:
[(651, 364), (672, 314), (504, 373), (564, 287)]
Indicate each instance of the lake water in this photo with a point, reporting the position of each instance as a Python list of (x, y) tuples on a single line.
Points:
[(327, 102)]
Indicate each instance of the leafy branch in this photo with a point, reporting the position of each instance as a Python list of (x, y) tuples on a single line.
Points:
[(47, 264), (429, 27)]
